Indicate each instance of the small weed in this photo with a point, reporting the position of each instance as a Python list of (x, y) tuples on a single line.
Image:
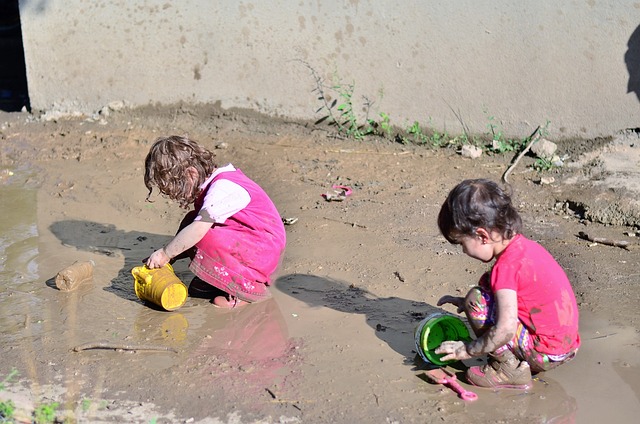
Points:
[(348, 121), (439, 139), (416, 132), (499, 143), (542, 164), (8, 378), (341, 111), (385, 124), (86, 405), (7, 409), (45, 413)]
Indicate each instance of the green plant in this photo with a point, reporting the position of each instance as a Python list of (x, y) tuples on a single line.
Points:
[(348, 121), (542, 164), (341, 111), (385, 124), (7, 409), (8, 378), (499, 143), (86, 405), (415, 131), (438, 139), (45, 413)]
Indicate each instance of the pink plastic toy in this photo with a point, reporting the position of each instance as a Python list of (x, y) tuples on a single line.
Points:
[(449, 379)]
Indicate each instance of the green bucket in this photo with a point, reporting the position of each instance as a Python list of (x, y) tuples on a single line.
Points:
[(435, 329)]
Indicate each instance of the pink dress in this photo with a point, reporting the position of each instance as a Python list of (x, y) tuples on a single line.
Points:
[(240, 254)]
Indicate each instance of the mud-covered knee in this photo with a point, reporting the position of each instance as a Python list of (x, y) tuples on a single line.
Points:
[(473, 299)]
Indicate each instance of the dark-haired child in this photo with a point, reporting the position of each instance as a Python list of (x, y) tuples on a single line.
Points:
[(523, 311), (235, 228)]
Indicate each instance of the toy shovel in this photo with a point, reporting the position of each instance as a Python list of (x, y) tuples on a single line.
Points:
[(449, 379)]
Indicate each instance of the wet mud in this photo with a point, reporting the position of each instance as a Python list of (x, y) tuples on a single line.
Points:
[(336, 342)]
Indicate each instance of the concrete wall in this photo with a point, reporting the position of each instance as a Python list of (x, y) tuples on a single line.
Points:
[(436, 62)]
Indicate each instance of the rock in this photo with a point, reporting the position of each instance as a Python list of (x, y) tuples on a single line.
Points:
[(544, 148), (469, 151), (547, 180)]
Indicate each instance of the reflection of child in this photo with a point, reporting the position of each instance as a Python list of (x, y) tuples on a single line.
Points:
[(523, 312), (237, 232)]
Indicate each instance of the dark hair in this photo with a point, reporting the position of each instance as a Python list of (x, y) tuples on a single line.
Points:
[(166, 167), (474, 204)]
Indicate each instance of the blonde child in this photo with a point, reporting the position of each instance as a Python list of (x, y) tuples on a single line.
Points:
[(523, 311), (234, 236)]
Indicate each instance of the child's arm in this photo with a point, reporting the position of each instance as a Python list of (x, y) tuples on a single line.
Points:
[(185, 239), (495, 337)]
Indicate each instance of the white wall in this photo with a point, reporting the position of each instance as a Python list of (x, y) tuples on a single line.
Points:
[(522, 62)]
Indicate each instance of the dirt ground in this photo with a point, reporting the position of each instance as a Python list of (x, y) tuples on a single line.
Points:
[(336, 342)]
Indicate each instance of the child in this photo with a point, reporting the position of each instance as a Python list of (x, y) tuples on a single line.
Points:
[(523, 312), (237, 232)]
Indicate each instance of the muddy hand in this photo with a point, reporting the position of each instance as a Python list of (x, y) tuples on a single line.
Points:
[(454, 351), (158, 259)]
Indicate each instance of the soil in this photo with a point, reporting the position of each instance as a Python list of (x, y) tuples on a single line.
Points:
[(336, 343)]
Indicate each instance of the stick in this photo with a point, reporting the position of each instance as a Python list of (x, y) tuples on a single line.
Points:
[(353, 224), (118, 346), (622, 244), (532, 139)]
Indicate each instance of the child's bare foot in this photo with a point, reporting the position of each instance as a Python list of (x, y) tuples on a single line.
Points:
[(231, 302)]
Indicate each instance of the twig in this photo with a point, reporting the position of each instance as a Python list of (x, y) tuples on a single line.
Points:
[(273, 395), (622, 244), (604, 337), (353, 224), (532, 139), (119, 346), (457, 114)]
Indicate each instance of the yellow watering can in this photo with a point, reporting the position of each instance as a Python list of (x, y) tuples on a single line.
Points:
[(159, 286)]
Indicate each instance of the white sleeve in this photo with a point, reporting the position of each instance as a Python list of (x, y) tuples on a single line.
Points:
[(223, 199)]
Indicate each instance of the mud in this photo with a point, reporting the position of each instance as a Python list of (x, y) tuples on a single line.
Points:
[(336, 342)]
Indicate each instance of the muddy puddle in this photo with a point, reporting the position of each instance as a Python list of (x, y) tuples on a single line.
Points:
[(331, 346)]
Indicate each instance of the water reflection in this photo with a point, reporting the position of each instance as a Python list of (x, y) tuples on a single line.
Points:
[(546, 402), (246, 351), (156, 326)]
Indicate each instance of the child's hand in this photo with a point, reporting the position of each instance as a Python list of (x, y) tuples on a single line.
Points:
[(455, 350), (158, 259), (454, 300)]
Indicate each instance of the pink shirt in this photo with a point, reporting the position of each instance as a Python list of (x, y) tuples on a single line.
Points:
[(546, 304)]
